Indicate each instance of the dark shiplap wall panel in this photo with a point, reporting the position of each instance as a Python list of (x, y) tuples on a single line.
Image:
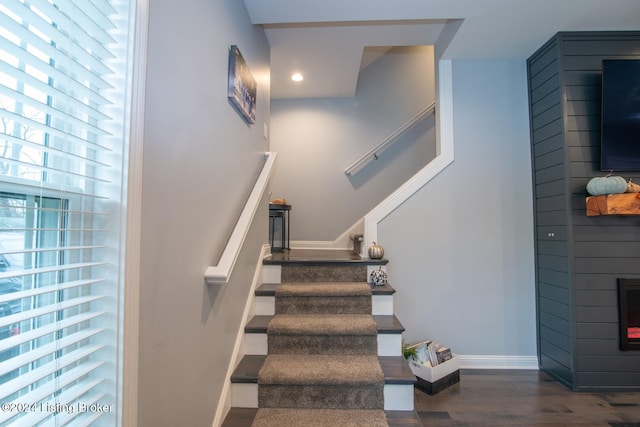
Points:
[(596, 330), (557, 342), (550, 200), (594, 363), (603, 380), (551, 203), (554, 293), (547, 132), (601, 247), (553, 262), (555, 369), (577, 268), (610, 249)]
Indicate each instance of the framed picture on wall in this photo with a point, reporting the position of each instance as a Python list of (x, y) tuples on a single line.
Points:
[(242, 86)]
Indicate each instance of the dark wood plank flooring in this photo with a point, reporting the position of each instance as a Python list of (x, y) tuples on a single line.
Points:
[(243, 417), (523, 398)]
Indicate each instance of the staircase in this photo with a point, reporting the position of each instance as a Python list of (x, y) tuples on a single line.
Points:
[(323, 349)]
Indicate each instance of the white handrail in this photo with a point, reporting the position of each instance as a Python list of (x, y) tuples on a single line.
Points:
[(219, 274), (378, 149)]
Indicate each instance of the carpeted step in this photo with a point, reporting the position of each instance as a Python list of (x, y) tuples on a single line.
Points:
[(321, 382), (395, 370), (279, 417), (323, 273), (323, 334), (323, 298), (244, 417)]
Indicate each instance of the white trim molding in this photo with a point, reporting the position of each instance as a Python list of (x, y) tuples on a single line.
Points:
[(498, 362), (224, 403), (219, 274), (444, 157), (132, 240), (341, 242)]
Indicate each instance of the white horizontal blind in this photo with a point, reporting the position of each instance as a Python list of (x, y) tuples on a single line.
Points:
[(63, 89)]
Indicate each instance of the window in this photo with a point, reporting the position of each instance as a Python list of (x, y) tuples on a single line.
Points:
[(64, 73)]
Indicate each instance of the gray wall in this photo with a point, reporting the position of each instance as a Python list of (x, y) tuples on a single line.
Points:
[(316, 139), (200, 163), (461, 249)]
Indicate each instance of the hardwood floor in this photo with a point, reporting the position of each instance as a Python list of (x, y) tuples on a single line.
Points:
[(523, 398)]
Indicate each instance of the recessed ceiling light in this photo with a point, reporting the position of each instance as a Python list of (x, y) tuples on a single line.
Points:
[(297, 77)]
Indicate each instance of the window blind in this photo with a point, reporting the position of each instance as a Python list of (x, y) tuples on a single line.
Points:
[(64, 67)]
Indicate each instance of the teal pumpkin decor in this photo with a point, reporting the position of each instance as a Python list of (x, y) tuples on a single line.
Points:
[(606, 185)]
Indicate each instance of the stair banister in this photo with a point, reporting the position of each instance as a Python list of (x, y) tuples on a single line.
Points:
[(385, 143), (219, 274)]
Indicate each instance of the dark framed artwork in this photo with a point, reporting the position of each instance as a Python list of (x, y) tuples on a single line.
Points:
[(242, 86)]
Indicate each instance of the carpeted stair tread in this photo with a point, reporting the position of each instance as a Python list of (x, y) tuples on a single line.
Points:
[(394, 368), (324, 272), (326, 289), (323, 298), (280, 417), (322, 324), (386, 324), (321, 370), (298, 334)]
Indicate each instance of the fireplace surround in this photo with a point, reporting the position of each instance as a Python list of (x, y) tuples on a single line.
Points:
[(629, 309)]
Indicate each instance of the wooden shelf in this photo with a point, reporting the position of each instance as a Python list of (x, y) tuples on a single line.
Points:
[(614, 204)]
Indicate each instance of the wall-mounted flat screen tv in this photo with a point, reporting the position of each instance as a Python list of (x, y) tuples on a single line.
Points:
[(620, 144)]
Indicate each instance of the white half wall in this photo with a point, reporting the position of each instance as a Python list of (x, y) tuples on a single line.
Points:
[(461, 249)]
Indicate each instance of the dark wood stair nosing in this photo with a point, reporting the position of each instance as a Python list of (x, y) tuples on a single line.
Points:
[(386, 324), (395, 370), (325, 262), (243, 417), (269, 290)]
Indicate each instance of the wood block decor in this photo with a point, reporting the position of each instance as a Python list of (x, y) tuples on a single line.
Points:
[(614, 204)]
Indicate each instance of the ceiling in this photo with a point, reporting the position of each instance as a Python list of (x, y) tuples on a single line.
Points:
[(325, 40)]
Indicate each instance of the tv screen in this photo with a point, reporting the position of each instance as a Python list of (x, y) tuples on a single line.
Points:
[(620, 144)]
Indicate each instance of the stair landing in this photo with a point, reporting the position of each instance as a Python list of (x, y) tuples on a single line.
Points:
[(320, 256)]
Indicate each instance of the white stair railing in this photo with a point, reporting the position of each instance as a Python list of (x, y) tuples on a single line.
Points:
[(220, 273), (375, 152)]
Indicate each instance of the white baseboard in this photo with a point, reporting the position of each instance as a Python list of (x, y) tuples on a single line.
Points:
[(314, 244), (342, 242), (498, 362)]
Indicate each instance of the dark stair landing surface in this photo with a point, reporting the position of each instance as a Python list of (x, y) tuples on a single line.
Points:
[(320, 257)]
